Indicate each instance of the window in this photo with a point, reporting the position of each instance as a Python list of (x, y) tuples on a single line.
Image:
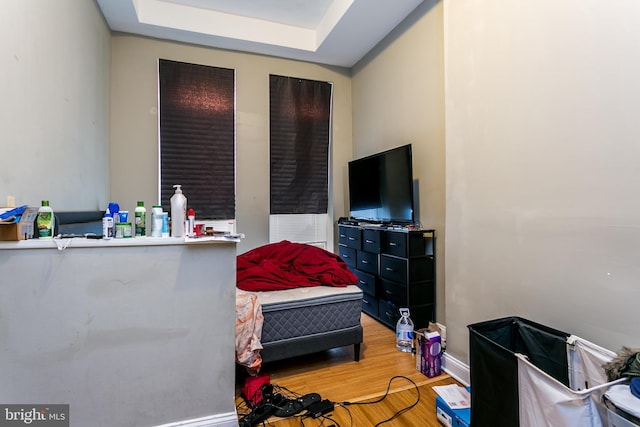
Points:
[(300, 112), (197, 137)]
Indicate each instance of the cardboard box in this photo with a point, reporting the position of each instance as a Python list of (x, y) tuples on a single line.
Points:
[(452, 417), (429, 353), (21, 230)]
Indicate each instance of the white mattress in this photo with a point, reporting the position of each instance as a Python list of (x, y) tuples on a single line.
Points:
[(305, 294)]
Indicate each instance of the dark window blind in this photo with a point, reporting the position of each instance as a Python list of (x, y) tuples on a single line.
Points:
[(197, 137), (299, 117)]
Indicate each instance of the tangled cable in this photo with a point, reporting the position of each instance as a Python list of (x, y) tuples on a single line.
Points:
[(386, 393)]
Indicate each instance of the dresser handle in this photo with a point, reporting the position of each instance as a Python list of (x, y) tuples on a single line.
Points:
[(389, 269), (368, 241), (362, 282), (352, 238), (387, 291), (364, 261), (345, 256), (365, 301), (393, 244)]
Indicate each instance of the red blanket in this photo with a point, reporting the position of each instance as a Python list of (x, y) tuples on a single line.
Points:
[(286, 265)]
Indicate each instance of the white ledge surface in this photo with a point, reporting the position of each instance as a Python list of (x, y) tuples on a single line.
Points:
[(81, 242)]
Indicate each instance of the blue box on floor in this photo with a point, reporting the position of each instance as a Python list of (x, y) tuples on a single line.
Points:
[(452, 417)]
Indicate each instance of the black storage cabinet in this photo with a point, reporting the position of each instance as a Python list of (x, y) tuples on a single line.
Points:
[(494, 366)]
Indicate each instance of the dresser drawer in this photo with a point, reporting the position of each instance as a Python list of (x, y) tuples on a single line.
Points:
[(372, 240), (423, 293), (403, 295), (406, 270), (394, 268), (367, 262), (366, 282), (350, 237), (395, 244), (388, 313), (408, 244), (394, 292), (370, 305), (348, 255)]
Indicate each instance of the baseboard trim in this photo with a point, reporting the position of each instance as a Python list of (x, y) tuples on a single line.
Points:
[(457, 369), (219, 420)]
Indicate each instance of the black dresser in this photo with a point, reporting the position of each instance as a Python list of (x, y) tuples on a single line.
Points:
[(395, 268)]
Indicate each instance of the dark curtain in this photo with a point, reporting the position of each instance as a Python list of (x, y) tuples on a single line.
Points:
[(299, 113), (197, 137)]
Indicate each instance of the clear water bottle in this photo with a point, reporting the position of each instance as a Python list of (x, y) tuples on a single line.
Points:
[(404, 332)]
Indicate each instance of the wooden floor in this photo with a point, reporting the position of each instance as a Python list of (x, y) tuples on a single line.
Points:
[(336, 377)]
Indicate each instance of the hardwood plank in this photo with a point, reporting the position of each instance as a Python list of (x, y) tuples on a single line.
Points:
[(337, 377)]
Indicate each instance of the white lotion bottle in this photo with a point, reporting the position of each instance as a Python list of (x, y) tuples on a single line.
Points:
[(178, 212)]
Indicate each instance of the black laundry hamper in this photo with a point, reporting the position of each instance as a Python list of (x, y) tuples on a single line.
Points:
[(494, 366)]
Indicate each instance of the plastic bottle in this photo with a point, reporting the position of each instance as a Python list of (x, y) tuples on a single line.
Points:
[(192, 221), (140, 215), (404, 332), (156, 221), (165, 224), (107, 225), (178, 212), (45, 221)]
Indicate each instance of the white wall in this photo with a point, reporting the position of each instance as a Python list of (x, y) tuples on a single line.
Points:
[(125, 333), (54, 113), (134, 125), (543, 171)]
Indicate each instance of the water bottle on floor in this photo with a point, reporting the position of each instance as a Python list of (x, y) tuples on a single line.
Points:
[(404, 332)]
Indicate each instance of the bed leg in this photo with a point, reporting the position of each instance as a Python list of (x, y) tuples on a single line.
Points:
[(356, 352)]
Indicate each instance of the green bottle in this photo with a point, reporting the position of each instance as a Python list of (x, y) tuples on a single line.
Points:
[(45, 221), (141, 220)]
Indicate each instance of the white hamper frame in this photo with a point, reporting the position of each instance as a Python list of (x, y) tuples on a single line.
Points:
[(545, 401)]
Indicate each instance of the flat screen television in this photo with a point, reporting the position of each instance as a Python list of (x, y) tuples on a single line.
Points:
[(381, 187)]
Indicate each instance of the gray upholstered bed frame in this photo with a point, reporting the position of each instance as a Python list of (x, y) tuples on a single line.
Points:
[(310, 325), (302, 345)]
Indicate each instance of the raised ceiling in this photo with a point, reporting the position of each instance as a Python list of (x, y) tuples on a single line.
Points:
[(333, 32)]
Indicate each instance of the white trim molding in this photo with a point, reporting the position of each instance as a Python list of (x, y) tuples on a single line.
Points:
[(457, 369), (229, 419)]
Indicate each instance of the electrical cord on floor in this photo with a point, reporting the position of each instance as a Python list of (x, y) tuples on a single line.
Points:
[(282, 392), (271, 397), (398, 413)]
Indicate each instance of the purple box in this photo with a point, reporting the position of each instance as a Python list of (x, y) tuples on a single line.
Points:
[(429, 353)]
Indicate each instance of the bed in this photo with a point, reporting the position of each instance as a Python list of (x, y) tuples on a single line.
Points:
[(294, 299)]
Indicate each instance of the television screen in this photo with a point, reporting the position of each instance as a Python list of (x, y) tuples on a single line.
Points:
[(381, 187)]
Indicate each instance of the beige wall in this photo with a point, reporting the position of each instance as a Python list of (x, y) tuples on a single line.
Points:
[(543, 208), (134, 127), (398, 98), (542, 213), (54, 113)]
